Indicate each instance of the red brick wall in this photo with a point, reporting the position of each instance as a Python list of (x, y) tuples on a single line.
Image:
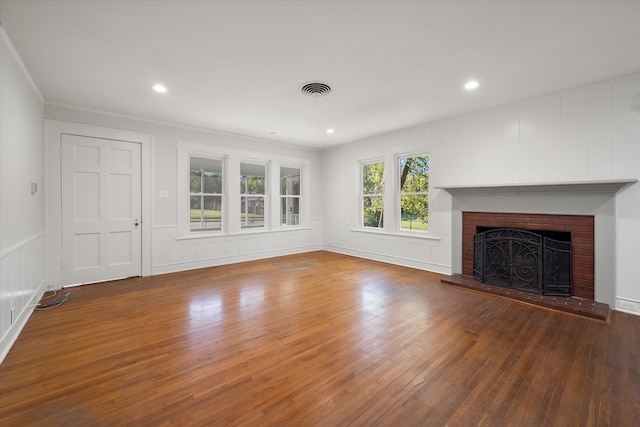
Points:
[(580, 226)]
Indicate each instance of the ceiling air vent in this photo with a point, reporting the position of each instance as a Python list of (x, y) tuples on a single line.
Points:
[(316, 89)]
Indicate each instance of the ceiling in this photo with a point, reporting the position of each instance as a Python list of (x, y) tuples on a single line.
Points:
[(238, 66)]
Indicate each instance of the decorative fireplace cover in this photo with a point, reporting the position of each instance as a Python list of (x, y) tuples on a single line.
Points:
[(522, 260)]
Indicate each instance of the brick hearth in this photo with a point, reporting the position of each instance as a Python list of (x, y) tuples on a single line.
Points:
[(573, 305)]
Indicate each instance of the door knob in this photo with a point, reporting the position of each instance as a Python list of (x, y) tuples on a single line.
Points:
[(136, 223)]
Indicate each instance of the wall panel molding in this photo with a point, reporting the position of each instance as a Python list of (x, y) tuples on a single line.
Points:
[(22, 283)]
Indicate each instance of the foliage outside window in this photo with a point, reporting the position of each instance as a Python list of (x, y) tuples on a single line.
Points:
[(414, 193), (290, 194), (205, 194), (372, 196), (252, 195)]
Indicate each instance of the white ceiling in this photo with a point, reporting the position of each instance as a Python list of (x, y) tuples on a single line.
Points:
[(237, 66)]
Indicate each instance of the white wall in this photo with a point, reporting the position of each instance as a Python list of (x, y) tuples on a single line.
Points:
[(341, 215), (22, 238), (587, 133), (170, 253)]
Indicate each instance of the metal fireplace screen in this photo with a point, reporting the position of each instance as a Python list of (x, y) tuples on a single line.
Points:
[(522, 260)]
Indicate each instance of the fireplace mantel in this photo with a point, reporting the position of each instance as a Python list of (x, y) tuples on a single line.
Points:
[(590, 198), (609, 186)]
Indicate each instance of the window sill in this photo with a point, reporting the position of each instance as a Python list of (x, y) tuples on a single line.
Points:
[(220, 234), (423, 236)]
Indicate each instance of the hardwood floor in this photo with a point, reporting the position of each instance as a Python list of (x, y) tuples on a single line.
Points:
[(316, 339)]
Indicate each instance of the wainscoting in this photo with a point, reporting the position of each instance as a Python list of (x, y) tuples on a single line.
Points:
[(172, 253), (21, 285)]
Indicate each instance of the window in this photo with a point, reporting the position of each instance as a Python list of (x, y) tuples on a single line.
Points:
[(290, 195), (224, 191), (205, 194), (372, 196), (414, 193), (252, 195)]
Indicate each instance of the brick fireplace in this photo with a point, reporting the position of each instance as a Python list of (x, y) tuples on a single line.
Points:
[(586, 209), (581, 228)]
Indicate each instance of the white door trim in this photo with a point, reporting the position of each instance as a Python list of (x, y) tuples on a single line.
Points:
[(54, 129)]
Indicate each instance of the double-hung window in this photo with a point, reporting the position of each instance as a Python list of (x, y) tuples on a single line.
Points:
[(413, 179), (372, 194), (290, 195), (224, 191), (253, 185), (206, 194)]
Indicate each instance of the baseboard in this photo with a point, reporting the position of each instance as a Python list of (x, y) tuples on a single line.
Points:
[(390, 259), (627, 305), (16, 327)]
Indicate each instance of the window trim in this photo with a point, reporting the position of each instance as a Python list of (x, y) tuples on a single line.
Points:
[(185, 151), (222, 195)]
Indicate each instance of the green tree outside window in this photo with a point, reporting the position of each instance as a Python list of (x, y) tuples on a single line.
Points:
[(373, 194), (414, 193)]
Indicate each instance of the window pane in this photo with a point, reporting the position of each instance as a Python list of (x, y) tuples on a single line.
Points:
[(195, 181), (414, 212), (212, 182), (372, 211), (289, 181), (373, 178), (290, 210), (414, 174), (252, 178), (206, 213), (205, 175), (195, 205), (252, 211)]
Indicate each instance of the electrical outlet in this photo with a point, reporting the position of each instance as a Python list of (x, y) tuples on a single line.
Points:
[(13, 314), (628, 305)]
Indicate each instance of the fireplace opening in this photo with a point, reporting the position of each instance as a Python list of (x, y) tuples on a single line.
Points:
[(535, 261)]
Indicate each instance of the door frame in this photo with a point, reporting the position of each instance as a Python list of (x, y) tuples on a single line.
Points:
[(54, 129)]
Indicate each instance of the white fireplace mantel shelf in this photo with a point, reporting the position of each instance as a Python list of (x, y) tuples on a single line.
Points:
[(610, 186)]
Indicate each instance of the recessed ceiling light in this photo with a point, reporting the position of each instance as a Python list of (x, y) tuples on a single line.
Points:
[(160, 88), (330, 130), (471, 85)]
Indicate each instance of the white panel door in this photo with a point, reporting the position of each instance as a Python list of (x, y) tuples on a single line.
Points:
[(101, 209)]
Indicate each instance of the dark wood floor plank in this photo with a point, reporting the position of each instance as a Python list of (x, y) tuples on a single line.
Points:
[(316, 339)]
